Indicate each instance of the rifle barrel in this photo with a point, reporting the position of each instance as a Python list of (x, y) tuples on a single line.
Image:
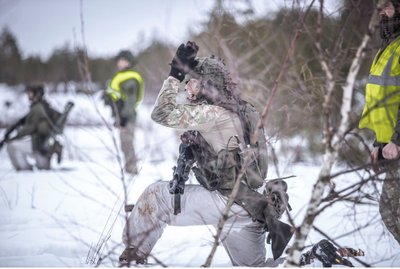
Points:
[(177, 203)]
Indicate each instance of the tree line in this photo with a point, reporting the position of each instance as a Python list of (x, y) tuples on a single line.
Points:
[(253, 48)]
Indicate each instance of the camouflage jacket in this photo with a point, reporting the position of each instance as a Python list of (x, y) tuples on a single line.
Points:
[(216, 124)]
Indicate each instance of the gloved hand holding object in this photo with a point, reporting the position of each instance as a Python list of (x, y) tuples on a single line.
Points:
[(184, 60)]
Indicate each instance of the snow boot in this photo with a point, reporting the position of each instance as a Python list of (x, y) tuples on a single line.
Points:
[(129, 256)]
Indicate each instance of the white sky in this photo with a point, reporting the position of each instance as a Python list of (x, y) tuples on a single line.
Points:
[(109, 25)]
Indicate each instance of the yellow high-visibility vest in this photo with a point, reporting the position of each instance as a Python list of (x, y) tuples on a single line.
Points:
[(115, 91), (382, 94)]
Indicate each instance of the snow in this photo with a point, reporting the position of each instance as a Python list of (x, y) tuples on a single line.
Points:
[(58, 218)]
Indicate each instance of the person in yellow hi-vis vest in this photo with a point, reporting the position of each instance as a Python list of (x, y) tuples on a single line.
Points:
[(124, 94), (381, 113)]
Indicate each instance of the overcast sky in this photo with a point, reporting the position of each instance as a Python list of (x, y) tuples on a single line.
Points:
[(109, 25)]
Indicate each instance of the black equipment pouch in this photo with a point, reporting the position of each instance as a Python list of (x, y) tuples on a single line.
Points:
[(228, 163), (263, 209)]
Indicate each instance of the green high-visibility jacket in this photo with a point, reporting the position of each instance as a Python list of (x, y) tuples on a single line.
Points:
[(126, 89), (382, 94)]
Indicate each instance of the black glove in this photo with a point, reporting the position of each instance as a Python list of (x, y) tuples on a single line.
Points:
[(1, 144), (184, 60)]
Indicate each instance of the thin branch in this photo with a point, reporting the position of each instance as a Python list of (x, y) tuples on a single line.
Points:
[(282, 73), (331, 152), (226, 211), (332, 240)]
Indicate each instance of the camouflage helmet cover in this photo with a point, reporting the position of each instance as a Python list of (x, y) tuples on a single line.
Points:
[(216, 85), (211, 70), (215, 79)]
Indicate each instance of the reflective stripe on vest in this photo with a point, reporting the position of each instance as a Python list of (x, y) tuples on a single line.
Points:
[(115, 91), (382, 93)]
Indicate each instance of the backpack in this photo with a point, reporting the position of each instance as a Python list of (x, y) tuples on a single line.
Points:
[(57, 119), (256, 167), (218, 170)]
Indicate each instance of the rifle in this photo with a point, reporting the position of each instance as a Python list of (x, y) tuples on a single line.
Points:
[(59, 124), (11, 129), (181, 172)]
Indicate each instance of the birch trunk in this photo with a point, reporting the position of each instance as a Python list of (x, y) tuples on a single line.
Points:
[(332, 144)]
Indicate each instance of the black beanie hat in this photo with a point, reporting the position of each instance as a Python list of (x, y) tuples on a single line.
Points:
[(396, 4), (127, 55)]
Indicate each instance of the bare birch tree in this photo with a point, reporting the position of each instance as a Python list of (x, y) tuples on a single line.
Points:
[(333, 137)]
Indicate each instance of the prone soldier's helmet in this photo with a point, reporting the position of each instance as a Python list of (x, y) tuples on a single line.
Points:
[(36, 90), (127, 55), (216, 83)]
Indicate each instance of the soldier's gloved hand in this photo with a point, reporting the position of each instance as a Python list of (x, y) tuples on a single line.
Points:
[(184, 60)]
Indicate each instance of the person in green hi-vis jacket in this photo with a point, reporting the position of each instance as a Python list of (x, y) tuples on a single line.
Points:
[(124, 94), (381, 113)]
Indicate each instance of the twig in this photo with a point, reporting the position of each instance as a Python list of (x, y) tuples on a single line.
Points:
[(330, 239), (225, 213), (281, 74), (332, 142)]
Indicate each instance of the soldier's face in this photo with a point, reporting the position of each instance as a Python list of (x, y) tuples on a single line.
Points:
[(122, 64), (31, 96), (386, 10), (192, 88)]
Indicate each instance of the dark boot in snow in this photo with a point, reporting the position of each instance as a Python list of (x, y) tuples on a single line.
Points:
[(129, 256), (131, 168)]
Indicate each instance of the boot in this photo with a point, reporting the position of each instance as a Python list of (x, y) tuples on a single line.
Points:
[(131, 168), (129, 256)]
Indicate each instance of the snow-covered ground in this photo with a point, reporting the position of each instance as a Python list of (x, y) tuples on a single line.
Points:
[(60, 218)]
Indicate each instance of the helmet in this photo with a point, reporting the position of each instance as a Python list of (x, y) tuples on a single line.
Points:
[(127, 55), (37, 90), (216, 83), (211, 70)]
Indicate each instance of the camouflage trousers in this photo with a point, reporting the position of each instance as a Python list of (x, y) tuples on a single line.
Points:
[(242, 238), (23, 158), (389, 204), (127, 136)]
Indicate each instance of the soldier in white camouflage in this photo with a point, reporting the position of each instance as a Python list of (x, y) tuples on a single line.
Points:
[(212, 112)]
